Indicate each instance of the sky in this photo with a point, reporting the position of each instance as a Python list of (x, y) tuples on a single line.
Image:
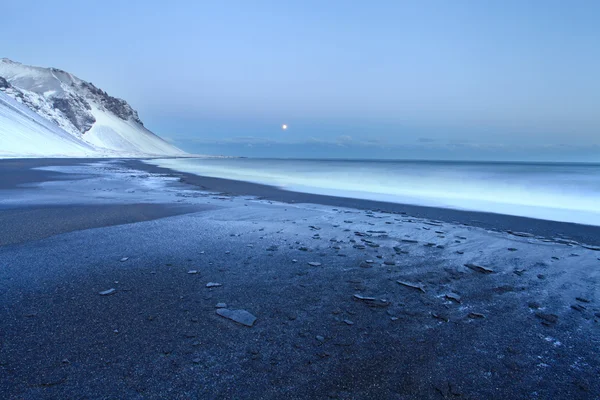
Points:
[(497, 80)]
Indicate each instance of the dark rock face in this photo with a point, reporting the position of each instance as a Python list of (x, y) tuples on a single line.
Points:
[(76, 110), (117, 106), (4, 83)]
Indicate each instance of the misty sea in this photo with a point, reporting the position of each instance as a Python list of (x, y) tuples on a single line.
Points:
[(552, 191)]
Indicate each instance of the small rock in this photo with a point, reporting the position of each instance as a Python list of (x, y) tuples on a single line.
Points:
[(474, 315), (533, 305), (124, 259), (479, 268), (550, 318), (582, 299), (578, 307), (320, 338), (294, 260), (213, 284), (389, 262), (521, 234), (192, 272), (452, 296), (440, 317), (240, 316), (412, 286), (314, 264), (594, 248), (107, 292), (359, 297), (348, 322), (512, 249), (221, 305), (197, 360)]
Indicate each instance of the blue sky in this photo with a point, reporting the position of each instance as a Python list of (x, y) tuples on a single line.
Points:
[(390, 79)]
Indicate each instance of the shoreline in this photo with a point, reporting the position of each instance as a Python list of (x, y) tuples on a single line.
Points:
[(588, 234), (340, 303)]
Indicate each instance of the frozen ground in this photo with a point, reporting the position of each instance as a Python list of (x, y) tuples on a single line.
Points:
[(478, 313)]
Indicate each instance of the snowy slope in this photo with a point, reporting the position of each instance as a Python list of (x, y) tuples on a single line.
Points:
[(24, 133), (109, 125)]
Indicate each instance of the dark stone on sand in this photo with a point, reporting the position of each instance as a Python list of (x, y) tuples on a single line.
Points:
[(412, 286), (452, 296), (521, 234), (240, 316), (440, 317), (474, 315), (594, 248), (371, 301), (582, 299), (479, 268), (550, 318)]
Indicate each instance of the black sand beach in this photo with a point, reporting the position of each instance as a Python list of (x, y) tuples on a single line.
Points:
[(585, 233), (353, 299)]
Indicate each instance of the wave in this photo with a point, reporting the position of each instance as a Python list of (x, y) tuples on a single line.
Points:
[(559, 192)]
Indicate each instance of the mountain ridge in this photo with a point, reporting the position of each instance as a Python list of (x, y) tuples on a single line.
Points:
[(106, 123)]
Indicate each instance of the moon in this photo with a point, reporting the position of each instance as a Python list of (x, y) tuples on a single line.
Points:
[(284, 127)]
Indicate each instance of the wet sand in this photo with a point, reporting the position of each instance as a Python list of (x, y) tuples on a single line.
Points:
[(350, 303), (500, 222)]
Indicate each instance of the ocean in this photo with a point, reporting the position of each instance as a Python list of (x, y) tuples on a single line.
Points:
[(551, 191)]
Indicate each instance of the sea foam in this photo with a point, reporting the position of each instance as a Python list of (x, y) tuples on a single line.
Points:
[(559, 192)]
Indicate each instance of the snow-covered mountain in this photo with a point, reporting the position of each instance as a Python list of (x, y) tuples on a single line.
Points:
[(24, 133), (39, 106)]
